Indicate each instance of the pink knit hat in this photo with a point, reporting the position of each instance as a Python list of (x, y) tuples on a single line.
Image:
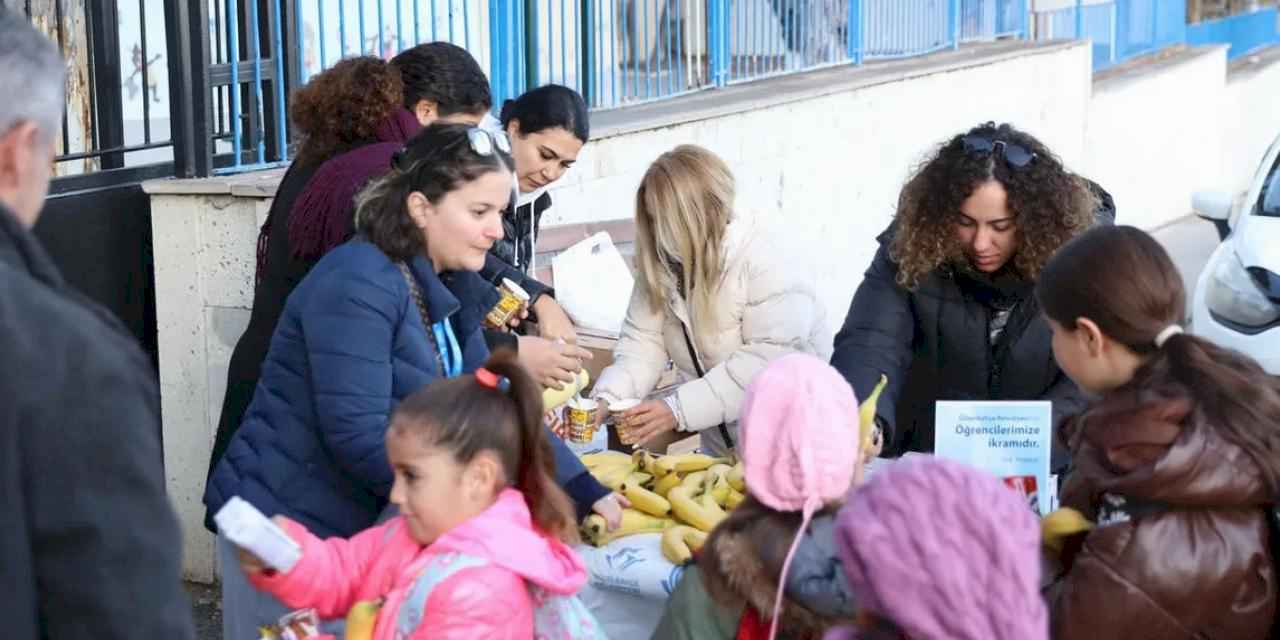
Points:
[(943, 550), (799, 441)]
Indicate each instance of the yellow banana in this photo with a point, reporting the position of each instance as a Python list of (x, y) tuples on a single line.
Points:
[(720, 492), (638, 478), (708, 502), (690, 512), (645, 500), (867, 411), (603, 458), (361, 618), (714, 473), (647, 462), (680, 542), (734, 499), (737, 477), (596, 530), (685, 462), (695, 482), (665, 483), (612, 476), (554, 398), (1056, 527)]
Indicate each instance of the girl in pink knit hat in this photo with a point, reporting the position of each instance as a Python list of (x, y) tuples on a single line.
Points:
[(937, 550), (800, 448)]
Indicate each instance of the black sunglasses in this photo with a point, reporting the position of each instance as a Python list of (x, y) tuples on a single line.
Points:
[(1015, 155)]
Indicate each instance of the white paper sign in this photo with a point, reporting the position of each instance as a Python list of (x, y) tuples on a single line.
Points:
[(1009, 439)]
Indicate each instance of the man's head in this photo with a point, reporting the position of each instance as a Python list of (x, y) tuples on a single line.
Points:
[(32, 81)]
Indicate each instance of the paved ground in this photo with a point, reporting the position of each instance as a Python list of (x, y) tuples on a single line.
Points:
[(206, 607)]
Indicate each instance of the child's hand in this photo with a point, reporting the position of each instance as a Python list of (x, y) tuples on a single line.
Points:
[(253, 565), (610, 508)]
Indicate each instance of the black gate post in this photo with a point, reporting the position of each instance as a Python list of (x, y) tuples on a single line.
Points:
[(104, 72), (187, 32)]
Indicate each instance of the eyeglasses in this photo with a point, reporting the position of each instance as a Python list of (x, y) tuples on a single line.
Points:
[(483, 141), (1015, 155)]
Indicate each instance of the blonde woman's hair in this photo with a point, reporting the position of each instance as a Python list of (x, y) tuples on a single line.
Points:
[(683, 207)]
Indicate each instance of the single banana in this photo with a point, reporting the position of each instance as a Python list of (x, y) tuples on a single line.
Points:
[(680, 542), (665, 483), (361, 618), (734, 499), (645, 500), (1056, 527), (647, 462), (599, 458), (737, 477), (867, 411), (714, 473), (685, 462), (555, 398), (720, 492), (673, 547), (695, 482), (690, 512), (596, 530), (708, 502), (638, 478), (613, 476)]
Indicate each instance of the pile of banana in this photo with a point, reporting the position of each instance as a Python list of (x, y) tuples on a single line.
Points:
[(683, 497)]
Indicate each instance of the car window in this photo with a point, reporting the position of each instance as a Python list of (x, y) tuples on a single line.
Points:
[(1269, 200)]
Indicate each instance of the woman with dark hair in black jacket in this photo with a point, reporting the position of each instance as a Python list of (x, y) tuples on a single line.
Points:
[(946, 309), (548, 126)]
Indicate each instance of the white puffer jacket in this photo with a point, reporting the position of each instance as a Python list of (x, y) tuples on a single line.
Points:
[(768, 308)]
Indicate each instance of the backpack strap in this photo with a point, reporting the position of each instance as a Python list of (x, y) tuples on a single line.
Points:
[(440, 568)]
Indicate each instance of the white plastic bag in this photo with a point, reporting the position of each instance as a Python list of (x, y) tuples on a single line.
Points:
[(632, 564), (593, 283)]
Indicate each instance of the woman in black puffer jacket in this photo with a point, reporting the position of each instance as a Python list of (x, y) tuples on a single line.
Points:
[(946, 310)]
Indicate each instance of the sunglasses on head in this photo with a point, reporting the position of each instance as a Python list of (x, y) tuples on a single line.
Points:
[(1015, 155), (481, 141)]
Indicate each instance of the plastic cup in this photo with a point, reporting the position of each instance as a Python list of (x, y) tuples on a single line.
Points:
[(616, 411)]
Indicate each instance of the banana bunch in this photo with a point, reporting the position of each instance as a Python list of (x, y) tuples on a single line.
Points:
[(683, 497)]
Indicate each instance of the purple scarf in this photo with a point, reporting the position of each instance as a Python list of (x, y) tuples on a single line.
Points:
[(320, 218)]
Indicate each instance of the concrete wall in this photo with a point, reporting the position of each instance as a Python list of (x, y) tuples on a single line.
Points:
[(1252, 118), (1154, 134)]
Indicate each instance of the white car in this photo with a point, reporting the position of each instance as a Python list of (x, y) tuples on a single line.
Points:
[(1237, 297)]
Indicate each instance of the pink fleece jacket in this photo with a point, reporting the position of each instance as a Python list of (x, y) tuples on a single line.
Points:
[(490, 601)]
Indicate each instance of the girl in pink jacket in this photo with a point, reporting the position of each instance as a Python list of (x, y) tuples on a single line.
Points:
[(479, 548)]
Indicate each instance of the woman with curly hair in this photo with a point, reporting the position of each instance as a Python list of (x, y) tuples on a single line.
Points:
[(946, 309)]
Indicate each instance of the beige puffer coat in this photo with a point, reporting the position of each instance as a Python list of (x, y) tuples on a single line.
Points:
[(768, 308)]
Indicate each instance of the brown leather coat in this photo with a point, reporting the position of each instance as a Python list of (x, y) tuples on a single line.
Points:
[(1182, 546)]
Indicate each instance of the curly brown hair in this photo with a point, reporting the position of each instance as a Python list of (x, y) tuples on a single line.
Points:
[(342, 106), (1050, 205)]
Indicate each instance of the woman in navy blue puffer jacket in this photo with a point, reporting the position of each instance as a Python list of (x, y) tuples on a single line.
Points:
[(397, 307)]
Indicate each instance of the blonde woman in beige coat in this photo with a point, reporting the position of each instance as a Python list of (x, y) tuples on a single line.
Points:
[(718, 293)]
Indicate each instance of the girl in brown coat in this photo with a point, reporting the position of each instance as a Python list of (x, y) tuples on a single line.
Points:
[(1178, 463)]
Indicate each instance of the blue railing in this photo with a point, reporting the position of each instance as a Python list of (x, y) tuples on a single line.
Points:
[(1245, 33), (623, 52)]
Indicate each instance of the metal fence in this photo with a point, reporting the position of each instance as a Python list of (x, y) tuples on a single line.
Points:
[(1245, 33), (194, 88)]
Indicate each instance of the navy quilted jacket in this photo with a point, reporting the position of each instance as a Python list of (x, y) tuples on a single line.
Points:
[(349, 346)]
